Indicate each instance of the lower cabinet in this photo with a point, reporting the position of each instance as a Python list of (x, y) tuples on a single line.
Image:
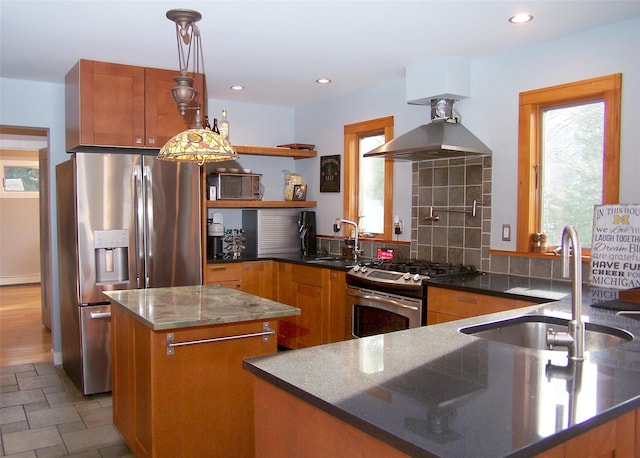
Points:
[(225, 274), (288, 426), (195, 402), (253, 277), (619, 437), (258, 279), (319, 294), (445, 304)]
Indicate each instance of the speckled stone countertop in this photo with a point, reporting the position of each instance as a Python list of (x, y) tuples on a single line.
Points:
[(434, 390), (187, 306)]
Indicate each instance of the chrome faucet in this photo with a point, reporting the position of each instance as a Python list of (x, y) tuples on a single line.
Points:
[(356, 248), (574, 338)]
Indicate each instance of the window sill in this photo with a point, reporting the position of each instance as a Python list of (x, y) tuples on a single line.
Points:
[(547, 255)]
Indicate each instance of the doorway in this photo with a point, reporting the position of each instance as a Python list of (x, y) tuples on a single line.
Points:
[(26, 267)]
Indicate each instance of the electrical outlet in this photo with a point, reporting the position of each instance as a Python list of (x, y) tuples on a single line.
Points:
[(506, 232), (397, 226)]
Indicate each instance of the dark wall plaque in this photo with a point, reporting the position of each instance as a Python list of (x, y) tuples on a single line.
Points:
[(330, 173)]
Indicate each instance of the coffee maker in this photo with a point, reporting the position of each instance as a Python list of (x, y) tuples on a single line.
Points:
[(307, 230), (215, 235)]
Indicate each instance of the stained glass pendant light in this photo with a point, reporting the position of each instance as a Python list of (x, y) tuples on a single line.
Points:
[(197, 144)]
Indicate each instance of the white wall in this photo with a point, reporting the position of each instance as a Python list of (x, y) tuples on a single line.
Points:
[(492, 114), (36, 104), (325, 122)]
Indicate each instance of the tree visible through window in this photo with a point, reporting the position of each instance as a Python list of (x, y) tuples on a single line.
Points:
[(568, 157), (571, 169), (371, 187), (368, 182)]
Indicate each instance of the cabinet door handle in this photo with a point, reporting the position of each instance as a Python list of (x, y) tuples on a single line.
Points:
[(265, 333), (217, 269)]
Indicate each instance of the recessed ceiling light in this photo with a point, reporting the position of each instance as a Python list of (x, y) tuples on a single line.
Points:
[(323, 81), (521, 18), (237, 87)]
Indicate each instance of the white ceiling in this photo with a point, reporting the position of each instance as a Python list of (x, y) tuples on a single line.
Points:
[(277, 49)]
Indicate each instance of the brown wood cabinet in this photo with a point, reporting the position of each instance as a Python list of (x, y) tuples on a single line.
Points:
[(109, 104), (225, 274), (445, 304), (319, 294), (253, 277), (286, 426), (197, 401), (619, 437), (257, 279)]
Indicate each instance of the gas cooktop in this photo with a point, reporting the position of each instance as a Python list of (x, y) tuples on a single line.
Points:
[(429, 269)]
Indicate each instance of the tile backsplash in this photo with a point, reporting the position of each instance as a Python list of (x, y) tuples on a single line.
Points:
[(446, 190), (456, 236)]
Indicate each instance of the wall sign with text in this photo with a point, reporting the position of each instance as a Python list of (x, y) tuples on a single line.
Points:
[(330, 173), (615, 246)]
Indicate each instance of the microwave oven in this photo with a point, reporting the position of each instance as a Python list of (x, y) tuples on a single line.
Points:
[(234, 186)]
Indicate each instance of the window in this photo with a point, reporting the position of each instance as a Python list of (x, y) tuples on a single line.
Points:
[(368, 182), (569, 155), (20, 179)]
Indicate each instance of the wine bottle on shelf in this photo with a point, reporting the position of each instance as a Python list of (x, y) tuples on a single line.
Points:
[(215, 126), (206, 122), (224, 126)]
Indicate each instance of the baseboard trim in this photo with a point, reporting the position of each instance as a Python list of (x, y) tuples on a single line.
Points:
[(19, 280)]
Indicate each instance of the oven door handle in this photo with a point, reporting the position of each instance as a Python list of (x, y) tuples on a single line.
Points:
[(382, 299)]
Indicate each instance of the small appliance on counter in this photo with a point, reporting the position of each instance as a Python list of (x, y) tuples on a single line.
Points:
[(307, 230), (215, 236)]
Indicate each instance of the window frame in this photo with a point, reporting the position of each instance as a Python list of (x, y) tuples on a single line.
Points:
[(19, 163), (532, 103), (352, 134)]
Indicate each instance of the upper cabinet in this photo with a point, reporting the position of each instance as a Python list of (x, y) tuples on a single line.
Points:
[(121, 105)]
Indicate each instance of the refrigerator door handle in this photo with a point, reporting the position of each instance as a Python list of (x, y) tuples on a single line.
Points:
[(148, 226), (138, 224)]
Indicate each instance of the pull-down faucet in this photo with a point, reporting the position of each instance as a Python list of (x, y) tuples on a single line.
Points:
[(574, 338), (356, 248)]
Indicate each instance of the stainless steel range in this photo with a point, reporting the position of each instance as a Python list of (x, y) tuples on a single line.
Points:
[(390, 295)]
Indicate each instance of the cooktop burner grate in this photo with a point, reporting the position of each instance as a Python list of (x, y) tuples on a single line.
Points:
[(430, 268)]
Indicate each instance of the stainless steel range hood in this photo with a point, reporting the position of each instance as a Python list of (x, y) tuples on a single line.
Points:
[(443, 138)]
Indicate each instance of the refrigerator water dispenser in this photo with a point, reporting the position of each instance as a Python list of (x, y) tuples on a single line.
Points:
[(112, 255)]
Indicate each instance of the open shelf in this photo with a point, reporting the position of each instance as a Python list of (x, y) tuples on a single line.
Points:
[(260, 204), (275, 151)]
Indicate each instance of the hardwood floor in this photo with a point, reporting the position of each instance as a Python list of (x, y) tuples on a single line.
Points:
[(23, 338)]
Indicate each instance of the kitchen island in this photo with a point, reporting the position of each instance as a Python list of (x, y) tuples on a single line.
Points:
[(178, 384), (433, 391)]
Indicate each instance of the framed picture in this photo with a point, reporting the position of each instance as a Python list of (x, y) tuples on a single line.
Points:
[(330, 173), (300, 192)]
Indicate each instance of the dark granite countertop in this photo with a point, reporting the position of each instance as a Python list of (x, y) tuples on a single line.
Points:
[(200, 305), (434, 390), (326, 261)]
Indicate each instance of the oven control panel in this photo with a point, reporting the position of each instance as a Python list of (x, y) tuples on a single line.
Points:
[(385, 276)]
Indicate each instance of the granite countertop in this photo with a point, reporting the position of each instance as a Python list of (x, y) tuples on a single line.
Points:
[(200, 305), (434, 390), (326, 261)]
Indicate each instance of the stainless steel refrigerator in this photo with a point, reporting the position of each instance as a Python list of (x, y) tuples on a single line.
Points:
[(125, 221)]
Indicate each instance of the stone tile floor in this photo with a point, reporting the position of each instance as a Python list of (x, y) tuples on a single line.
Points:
[(44, 415)]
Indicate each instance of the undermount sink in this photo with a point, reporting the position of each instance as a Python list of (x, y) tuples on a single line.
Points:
[(530, 331)]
